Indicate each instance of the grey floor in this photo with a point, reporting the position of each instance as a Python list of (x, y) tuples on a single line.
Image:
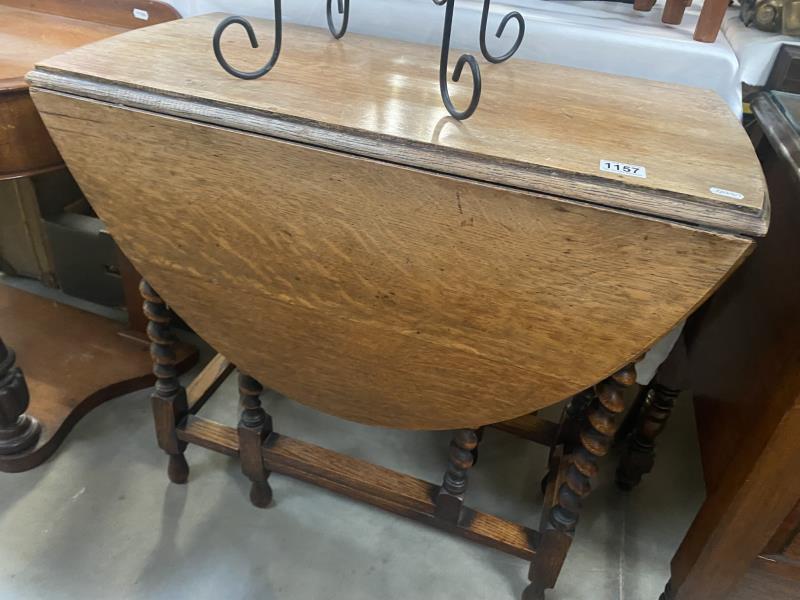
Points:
[(101, 520)]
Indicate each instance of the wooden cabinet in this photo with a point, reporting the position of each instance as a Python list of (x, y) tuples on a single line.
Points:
[(745, 359)]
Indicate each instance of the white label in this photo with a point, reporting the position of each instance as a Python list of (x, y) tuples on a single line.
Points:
[(612, 166), (726, 193), (141, 14)]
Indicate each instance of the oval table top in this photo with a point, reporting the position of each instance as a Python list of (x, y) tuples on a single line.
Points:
[(296, 224)]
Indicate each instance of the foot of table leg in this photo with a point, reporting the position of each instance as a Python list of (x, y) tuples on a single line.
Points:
[(450, 497), (178, 469), (169, 397), (667, 595), (533, 592), (254, 427), (18, 432)]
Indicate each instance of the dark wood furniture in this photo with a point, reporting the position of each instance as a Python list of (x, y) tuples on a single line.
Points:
[(744, 357), (785, 73), (31, 30), (648, 417), (345, 242), (56, 362)]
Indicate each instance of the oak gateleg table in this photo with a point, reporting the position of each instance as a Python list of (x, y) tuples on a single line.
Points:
[(332, 233)]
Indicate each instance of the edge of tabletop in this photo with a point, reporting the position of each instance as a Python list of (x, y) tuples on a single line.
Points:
[(595, 190)]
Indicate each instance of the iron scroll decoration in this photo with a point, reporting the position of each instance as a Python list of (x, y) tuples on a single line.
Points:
[(343, 8)]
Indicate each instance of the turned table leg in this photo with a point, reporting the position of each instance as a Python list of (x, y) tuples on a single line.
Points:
[(639, 455), (18, 431), (254, 427), (450, 497), (572, 418), (169, 397), (574, 479)]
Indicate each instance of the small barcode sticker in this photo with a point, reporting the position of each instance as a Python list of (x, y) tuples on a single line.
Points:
[(726, 193), (141, 14), (612, 166)]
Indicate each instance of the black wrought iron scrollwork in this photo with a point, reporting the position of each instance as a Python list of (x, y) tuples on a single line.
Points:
[(462, 60), (500, 29), (276, 51), (343, 6)]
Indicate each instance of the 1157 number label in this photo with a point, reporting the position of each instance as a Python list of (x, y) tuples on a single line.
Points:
[(611, 166)]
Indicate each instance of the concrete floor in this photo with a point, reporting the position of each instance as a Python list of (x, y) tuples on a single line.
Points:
[(101, 520)]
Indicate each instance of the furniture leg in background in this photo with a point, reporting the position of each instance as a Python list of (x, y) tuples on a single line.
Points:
[(18, 430), (710, 21), (73, 361), (643, 5), (708, 25), (673, 11), (651, 418), (137, 321)]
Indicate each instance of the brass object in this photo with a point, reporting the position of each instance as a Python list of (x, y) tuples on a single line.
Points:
[(778, 16)]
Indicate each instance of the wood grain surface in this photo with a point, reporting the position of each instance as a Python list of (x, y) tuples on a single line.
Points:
[(539, 127), (128, 14), (25, 38), (379, 293), (25, 147), (32, 30)]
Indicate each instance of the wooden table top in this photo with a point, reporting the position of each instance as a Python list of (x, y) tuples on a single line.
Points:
[(27, 37), (32, 30), (539, 127)]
